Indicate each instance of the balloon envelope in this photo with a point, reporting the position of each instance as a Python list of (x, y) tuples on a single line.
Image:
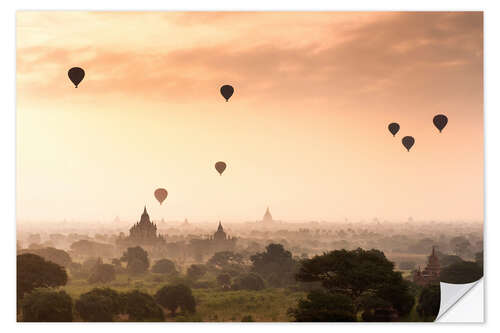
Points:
[(408, 142), (440, 121), (227, 91), (76, 75), (393, 128), (161, 195), (220, 167)]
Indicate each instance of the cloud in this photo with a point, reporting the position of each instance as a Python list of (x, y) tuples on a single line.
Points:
[(398, 53)]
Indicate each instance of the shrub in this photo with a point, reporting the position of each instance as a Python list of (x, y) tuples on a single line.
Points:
[(249, 281), (99, 304), (177, 296), (195, 272), (322, 306), (103, 273), (164, 266), (45, 305), (142, 307)]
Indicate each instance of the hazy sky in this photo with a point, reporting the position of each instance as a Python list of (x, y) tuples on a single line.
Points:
[(304, 133)]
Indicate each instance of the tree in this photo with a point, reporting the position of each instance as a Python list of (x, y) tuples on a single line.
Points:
[(447, 259), (57, 256), (103, 273), (224, 280), (34, 272), (177, 296), (358, 273), (462, 272), (396, 292), (195, 272), (323, 306), (164, 266), (275, 262), (44, 305), (460, 244), (136, 259), (224, 259), (249, 281), (141, 307), (99, 305), (429, 301)]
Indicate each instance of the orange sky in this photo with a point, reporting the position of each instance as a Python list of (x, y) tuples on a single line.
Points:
[(304, 133)]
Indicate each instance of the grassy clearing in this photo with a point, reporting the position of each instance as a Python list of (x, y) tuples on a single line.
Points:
[(212, 305)]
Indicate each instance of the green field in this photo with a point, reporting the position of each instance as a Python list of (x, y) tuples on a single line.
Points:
[(212, 305)]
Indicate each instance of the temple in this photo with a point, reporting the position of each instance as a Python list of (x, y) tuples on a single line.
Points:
[(143, 233), (431, 272), (268, 218)]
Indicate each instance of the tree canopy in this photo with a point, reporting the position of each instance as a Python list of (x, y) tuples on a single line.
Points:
[(99, 305), (176, 296), (141, 307), (195, 271), (137, 260), (323, 306), (429, 301), (275, 264), (164, 266), (359, 274), (249, 281), (34, 272), (461, 272), (54, 255), (102, 273), (45, 305)]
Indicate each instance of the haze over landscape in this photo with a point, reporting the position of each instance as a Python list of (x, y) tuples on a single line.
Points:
[(305, 131)]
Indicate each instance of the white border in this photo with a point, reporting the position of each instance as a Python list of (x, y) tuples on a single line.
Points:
[(7, 144)]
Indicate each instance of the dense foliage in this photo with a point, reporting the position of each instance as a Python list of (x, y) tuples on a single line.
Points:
[(137, 260), (366, 277), (34, 272), (44, 305), (275, 264), (164, 266), (141, 306), (102, 273), (429, 301), (461, 272), (99, 304), (176, 297), (249, 281), (320, 306)]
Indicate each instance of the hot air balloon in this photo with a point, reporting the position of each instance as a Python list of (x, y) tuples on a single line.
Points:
[(393, 128), (220, 167), (408, 142), (227, 91), (440, 121), (161, 195), (76, 75)]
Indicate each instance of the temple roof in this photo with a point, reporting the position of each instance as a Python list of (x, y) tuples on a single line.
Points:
[(267, 215)]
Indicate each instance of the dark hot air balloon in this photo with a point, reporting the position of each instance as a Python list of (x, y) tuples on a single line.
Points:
[(393, 128), (220, 167), (227, 91), (440, 121), (161, 195), (408, 142), (76, 75)]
